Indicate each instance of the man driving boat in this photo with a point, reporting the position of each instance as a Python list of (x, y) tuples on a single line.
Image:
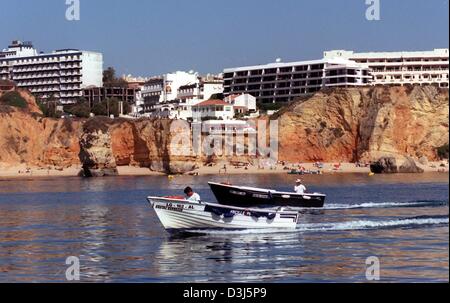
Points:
[(191, 195), (299, 187)]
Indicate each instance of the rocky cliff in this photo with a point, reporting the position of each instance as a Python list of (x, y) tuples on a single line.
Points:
[(27, 137), (333, 125), (106, 144), (364, 124)]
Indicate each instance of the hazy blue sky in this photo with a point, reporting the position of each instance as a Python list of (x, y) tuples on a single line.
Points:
[(148, 37)]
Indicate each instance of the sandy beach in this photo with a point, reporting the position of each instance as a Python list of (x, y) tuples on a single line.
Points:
[(328, 168), (23, 171)]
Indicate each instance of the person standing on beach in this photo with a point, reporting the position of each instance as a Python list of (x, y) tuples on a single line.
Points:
[(299, 187), (191, 195)]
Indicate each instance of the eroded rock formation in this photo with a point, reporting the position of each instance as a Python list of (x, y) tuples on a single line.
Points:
[(364, 124), (345, 125)]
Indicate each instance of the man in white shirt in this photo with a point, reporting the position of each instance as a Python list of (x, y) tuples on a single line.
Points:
[(191, 196), (299, 187)]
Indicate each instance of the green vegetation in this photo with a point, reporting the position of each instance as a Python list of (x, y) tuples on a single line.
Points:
[(110, 107), (49, 107), (49, 110), (270, 106), (217, 97), (443, 151), (81, 109), (110, 79), (239, 116), (13, 99)]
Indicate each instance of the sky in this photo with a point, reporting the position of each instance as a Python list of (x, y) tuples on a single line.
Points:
[(151, 37)]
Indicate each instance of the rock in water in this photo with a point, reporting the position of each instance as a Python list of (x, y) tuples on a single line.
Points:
[(410, 166), (385, 165), (388, 165)]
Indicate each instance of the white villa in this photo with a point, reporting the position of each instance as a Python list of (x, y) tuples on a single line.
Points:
[(212, 109), (243, 103)]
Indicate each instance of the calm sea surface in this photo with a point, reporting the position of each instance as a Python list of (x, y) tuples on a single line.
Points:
[(107, 223)]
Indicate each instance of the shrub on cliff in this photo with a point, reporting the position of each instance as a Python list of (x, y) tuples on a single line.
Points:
[(49, 109), (443, 151), (80, 110), (110, 107), (270, 106), (13, 99)]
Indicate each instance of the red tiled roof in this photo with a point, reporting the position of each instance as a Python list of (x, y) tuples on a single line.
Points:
[(212, 102)]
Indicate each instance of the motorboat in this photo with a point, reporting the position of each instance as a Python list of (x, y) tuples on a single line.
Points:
[(179, 215), (304, 172), (243, 196)]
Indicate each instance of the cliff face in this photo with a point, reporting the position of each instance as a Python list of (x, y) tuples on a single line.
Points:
[(333, 125), (27, 137), (106, 144), (98, 145), (365, 124)]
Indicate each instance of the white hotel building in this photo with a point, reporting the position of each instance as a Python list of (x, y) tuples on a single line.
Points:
[(62, 74), (163, 89), (284, 82), (399, 68), (173, 95)]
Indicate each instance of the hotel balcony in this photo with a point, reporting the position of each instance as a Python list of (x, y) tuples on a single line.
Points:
[(37, 83), (38, 76), (74, 66), (73, 73), (407, 63), (399, 72), (47, 89), (70, 60), (72, 94), (39, 62), (62, 80), (35, 69), (69, 88)]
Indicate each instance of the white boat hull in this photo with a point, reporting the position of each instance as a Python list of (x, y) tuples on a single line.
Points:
[(182, 215)]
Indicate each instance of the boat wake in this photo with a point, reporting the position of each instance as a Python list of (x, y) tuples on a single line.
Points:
[(414, 222), (423, 203), (373, 224)]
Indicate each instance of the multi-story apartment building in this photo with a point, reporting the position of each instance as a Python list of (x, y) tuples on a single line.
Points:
[(400, 68), (61, 74), (164, 88), (178, 92), (203, 89), (283, 82)]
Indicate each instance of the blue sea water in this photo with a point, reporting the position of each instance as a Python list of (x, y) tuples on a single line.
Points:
[(107, 223)]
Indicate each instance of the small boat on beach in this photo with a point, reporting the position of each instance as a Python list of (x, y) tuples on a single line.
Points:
[(304, 172), (243, 196), (179, 215)]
